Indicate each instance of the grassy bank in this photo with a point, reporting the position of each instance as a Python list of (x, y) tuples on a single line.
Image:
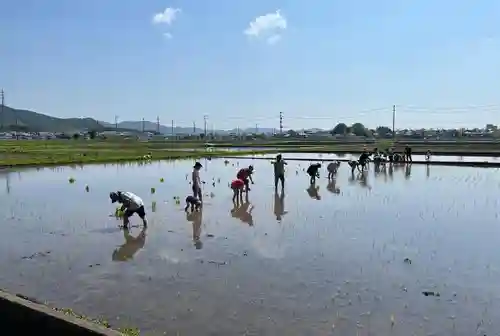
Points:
[(60, 152), (42, 156)]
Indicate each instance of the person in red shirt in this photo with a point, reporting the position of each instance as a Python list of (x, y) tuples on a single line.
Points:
[(237, 187), (245, 174)]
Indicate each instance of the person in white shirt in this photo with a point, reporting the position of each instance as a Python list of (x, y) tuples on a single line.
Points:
[(131, 204), (196, 181)]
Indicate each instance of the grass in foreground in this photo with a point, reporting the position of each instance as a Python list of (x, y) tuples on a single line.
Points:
[(125, 330)]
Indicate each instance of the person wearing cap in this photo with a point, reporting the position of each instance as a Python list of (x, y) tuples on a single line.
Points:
[(131, 204), (245, 174), (196, 181)]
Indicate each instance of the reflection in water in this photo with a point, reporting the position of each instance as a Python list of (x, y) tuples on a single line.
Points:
[(428, 171), (408, 171), (348, 272), (332, 187), (279, 205), (243, 211), (313, 191), (131, 247), (363, 179), (196, 218), (7, 183)]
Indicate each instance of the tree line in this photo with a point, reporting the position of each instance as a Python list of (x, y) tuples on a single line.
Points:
[(359, 129)]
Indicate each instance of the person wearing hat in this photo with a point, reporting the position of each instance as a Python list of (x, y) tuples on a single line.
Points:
[(131, 204), (196, 181)]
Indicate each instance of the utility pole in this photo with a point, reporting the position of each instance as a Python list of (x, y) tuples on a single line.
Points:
[(116, 121), (172, 128), (194, 127), (281, 122), (393, 122), (143, 124), (2, 97), (205, 117), (256, 129), (158, 124)]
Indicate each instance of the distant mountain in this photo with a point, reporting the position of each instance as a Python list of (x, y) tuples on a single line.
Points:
[(151, 126), (17, 119), (12, 119)]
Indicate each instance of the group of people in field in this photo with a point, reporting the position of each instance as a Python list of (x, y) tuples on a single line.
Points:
[(133, 204)]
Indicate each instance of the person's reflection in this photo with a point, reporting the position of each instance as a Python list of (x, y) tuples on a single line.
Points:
[(332, 187), (132, 244), (196, 218), (363, 180), (279, 205), (243, 211), (408, 171), (7, 183), (352, 178), (391, 171), (428, 171), (313, 191)]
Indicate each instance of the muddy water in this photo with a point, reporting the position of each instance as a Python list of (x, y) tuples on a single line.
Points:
[(348, 259)]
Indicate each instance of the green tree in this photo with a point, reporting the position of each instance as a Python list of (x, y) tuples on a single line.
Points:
[(359, 129), (92, 134), (76, 136), (341, 129), (384, 131)]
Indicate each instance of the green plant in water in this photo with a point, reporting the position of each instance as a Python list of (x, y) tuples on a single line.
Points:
[(119, 212), (153, 190), (71, 180)]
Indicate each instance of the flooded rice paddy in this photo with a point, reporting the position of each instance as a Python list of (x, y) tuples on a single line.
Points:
[(407, 251), (325, 156)]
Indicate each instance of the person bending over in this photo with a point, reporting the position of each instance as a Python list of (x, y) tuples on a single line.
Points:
[(131, 204), (192, 202), (332, 169), (313, 172), (237, 186), (245, 174)]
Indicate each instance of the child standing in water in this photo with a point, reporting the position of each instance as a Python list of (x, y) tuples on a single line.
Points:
[(237, 186), (196, 181), (279, 172)]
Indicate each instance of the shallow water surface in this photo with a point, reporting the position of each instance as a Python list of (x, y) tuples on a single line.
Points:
[(349, 258)]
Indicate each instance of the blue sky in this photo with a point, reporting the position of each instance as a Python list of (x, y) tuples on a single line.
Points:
[(336, 61)]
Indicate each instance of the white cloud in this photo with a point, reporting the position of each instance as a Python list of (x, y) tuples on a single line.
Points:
[(268, 26), (168, 16), (168, 36)]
